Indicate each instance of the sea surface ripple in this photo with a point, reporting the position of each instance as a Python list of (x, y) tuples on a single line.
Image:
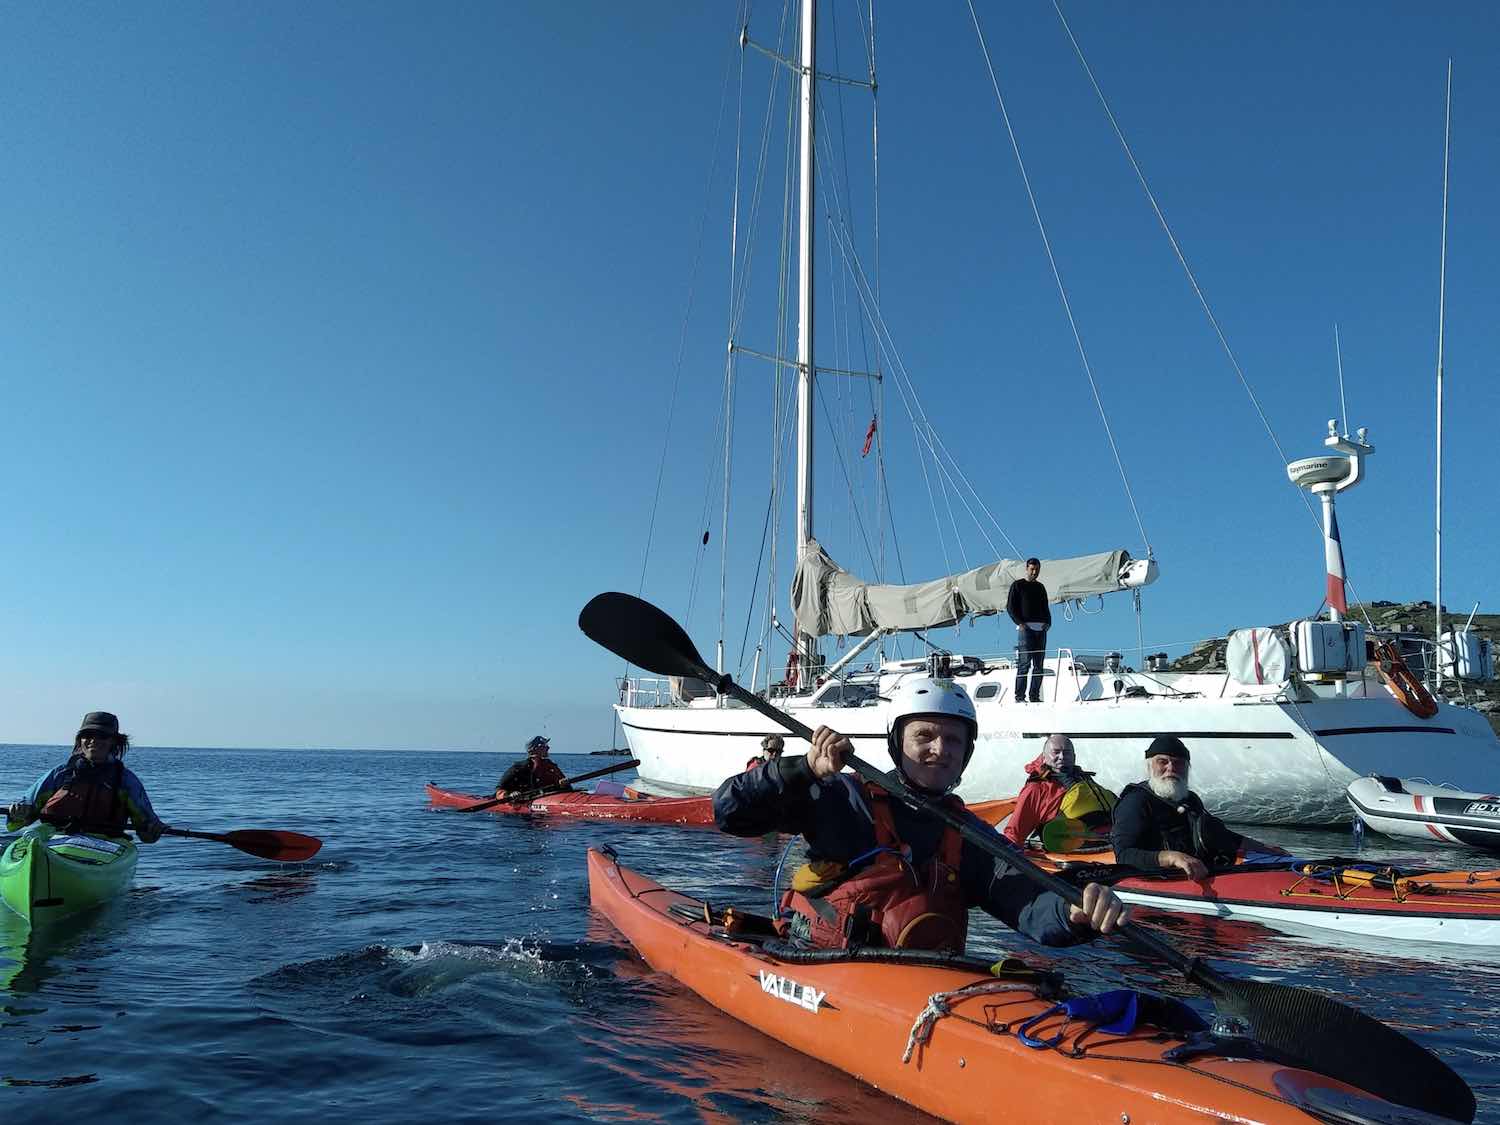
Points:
[(434, 965)]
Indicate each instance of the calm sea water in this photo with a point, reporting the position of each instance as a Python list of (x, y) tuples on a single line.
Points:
[(441, 966)]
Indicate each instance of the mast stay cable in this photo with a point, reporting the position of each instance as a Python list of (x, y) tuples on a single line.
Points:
[(1062, 292)]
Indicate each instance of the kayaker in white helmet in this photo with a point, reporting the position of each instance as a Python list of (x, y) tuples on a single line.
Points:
[(880, 873), (535, 771), (92, 790)]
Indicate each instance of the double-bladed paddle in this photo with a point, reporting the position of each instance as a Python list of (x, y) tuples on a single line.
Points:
[(1320, 1033), (526, 796), (267, 843)]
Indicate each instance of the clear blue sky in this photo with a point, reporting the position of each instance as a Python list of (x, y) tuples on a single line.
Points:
[(336, 341)]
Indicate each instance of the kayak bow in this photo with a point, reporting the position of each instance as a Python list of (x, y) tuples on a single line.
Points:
[(46, 873)]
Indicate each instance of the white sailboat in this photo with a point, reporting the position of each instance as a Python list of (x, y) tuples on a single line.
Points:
[(1275, 739)]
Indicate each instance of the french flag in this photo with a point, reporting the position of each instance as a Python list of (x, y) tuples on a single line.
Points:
[(1333, 551)]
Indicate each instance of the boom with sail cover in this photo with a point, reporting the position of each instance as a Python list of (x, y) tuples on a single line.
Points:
[(829, 601)]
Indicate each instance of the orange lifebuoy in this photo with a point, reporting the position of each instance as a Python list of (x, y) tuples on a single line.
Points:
[(791, 670), (1403, 684)]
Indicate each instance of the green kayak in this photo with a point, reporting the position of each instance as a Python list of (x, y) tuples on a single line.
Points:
[(46, 873)]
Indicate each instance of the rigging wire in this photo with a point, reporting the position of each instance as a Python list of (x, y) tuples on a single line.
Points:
[(917, 416), (1057, 277), (739, 284), (858, 519), (1213, 320), (686, 317), (1177, 249)]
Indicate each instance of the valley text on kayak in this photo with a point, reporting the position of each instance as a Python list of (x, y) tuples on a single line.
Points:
[(789, 990)]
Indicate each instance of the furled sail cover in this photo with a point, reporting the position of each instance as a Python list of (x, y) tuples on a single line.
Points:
[(829, 601)]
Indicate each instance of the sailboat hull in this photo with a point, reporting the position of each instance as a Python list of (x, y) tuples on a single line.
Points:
[(1255, 761)]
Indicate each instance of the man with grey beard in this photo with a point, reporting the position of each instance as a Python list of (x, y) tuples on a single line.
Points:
[(1160, 822)]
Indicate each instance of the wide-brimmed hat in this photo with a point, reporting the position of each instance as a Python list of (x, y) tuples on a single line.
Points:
[(99, 722)]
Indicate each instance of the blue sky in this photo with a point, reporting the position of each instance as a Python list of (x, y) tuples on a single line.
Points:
[(337, 342)]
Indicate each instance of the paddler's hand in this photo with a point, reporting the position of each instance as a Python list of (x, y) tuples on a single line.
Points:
[(1190, 865), (19, 812), (1102, 911), (829, 749), (151, 832)]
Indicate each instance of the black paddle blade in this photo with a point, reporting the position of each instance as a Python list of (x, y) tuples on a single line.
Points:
[(642, 634), (1342, 1042)]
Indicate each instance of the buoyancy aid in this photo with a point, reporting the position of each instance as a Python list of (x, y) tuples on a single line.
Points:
[(884, 900), (88, 795), (1089, 802)]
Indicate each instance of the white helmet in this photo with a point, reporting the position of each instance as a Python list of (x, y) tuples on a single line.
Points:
[(923, 695)]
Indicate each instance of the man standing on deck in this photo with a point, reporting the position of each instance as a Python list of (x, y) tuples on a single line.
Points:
[(1028, 608), (1160, 822)]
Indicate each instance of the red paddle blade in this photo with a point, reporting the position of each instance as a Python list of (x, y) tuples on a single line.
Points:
[(286, 847)]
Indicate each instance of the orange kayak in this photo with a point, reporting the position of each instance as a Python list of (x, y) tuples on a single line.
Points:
[(944, 1036), (592, 806)]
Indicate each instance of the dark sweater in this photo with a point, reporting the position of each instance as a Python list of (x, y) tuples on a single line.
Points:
[(834, 817), (1027, 601), (1145, 825)]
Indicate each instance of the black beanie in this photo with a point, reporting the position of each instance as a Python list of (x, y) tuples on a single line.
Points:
[(1170, 745)]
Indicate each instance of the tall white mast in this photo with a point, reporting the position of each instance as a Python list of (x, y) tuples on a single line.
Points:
[(1437, 672), (805, 372)]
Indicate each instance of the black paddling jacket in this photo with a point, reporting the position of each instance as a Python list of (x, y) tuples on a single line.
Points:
[(531, 773), (835, 819), (1145, 825)]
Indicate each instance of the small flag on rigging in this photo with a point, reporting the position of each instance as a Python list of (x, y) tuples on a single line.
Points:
[(869, 438), (1333, 550)]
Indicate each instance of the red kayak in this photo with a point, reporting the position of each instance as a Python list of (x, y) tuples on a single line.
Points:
[(632, 804), (1402, 904), (591, 806)]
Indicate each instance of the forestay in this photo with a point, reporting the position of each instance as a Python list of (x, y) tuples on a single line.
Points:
[(829, 601)]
